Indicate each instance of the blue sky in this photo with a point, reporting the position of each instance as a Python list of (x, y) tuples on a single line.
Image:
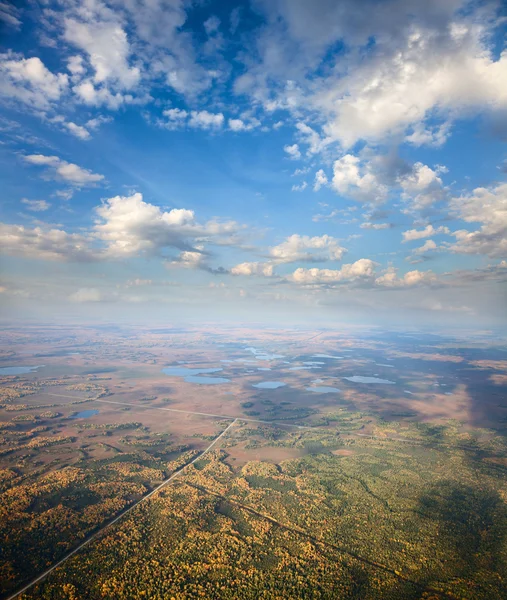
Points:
[(281, 160)]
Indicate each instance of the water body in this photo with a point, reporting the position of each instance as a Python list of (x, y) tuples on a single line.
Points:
[(381, 365), (84, 414), (263, 355), (323, 389), (185, 371), (18, 370), (263, 369), (302, 368), (326, 356), (313, 362), (361, 379), (206, 380), (269, 385), (407, 392)]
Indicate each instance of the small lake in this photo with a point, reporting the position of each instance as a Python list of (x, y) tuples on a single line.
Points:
[(323, 389), (263, 355), (361, 379), (326, 356), (185, 371), (269, 385), (206, 380), (18, 370), (84, 414)]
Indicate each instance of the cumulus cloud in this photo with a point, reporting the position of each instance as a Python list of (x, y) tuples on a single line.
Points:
[(27, 80), (35, 205), (61, 170), (293, 151), (86, 295), (363, 268), (487, 207), (422, 187), (299, 248), (414, 278), (320, 180), (130, 226), (242, 125), (105, 42), (253, 268), (353, 178), (375, 226), (44, 244), (300, 188), (428, 231), (205, 120), (426, 247)]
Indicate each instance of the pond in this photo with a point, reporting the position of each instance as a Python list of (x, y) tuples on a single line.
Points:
[(205, 380), (269, 385), (186, 371), (361, 379), (18, 370), (84, 414)]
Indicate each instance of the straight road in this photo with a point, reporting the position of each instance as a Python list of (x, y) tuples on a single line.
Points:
[(121, 515)]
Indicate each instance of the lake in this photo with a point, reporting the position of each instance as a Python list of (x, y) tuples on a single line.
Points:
[(269, 385), (361, 379), (185, 371), (206, 380), (84, 414), (18, 370), (323, 389)]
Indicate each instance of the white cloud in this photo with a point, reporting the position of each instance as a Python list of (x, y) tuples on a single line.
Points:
[(75, 65), (129, 227), (320, 180), (176, 118), (28, 81), (488, 207), (410, 66), (362, 269), (302, 171), (352, 178), (78, 131), (299, 188), (423, 135), (205, 120), (240, 125), (36, 205), (9, 15), (44, 244), (447, 70), (253, 268), (298, 248), (190, 259), (428, 231), (422, 187), (293, 151), (414, 278), (62, 170), (106, 44), (426, 247), (86, 295), (309, 136), (376, 226)]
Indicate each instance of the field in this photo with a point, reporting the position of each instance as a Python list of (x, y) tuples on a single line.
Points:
[(329, 486)]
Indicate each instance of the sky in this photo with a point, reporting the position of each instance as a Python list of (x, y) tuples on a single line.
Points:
[(273, 160)]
